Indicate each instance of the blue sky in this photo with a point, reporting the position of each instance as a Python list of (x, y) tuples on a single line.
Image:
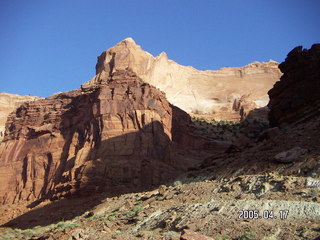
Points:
[(50, 46)]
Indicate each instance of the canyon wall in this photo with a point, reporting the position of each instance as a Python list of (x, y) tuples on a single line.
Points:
[(296, 97), (121, 135)]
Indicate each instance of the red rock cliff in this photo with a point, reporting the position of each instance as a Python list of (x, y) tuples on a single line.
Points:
[(296, 97), (117, 136)]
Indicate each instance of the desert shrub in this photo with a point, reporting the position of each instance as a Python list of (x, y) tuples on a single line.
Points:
[(177, 183), (112, 216), (61, 226), (28, 233), (131, 214), (159, 198), (248, 236), (135, 210), (224, 238), (269, 238)]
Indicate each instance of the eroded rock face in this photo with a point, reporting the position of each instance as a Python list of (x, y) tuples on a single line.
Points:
[(209, 92), (296, 96), (120, 135), (8, 103)]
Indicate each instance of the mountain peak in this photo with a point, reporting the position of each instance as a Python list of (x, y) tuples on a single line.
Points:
[(182, 84), (129, 40)]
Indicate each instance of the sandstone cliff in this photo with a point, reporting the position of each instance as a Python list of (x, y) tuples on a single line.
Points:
[(188, 88), (117, 136), (296, 97), (8, 103)]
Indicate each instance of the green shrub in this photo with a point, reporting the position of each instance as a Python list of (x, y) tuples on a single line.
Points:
[(94, 217), (61, 226), (28, 233), (177, 183), (269, 238), (135, 210), (159, 198), (131, 214), (111, 218), (224, 238), (248, 236)]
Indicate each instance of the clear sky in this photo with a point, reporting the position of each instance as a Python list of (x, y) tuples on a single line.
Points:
[(49, 46)]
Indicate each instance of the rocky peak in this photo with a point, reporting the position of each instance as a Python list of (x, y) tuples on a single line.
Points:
[(129, 40), (122, 56), (187, 87)]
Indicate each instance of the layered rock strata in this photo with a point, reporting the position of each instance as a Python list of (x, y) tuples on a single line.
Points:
[(296, 97), (118, 136), (195, 91), (8, 103)]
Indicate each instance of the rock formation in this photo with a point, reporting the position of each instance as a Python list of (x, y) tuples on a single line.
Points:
[(188, 88), (8, 103), (296, 96), (120, 135)]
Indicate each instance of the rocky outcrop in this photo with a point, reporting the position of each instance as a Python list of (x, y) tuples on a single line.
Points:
[(195, 91), (191, 235), (295, 97), (243, 106), (8, 103), (120, 135)]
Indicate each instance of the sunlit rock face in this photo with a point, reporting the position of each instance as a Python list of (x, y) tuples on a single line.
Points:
[(118, 136), (296, 97), (8, 103), (195, 91)]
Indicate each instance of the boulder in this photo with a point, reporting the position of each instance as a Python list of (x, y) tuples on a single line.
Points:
[(270, 133), (293, 155)]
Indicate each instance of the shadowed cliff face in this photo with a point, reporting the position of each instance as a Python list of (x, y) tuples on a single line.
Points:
[(128, 163), (119, 136), (296, 97)]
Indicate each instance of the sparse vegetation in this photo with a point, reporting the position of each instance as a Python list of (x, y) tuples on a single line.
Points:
[(135, 210), (224, 238), (228, 130), (113, 216), (61, 226), (177, 183), (248, 236), (94, 217), (269, 238), (38, 230), (159, 198)]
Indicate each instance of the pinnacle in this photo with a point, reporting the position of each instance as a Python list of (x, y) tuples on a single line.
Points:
[(129, 40)]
